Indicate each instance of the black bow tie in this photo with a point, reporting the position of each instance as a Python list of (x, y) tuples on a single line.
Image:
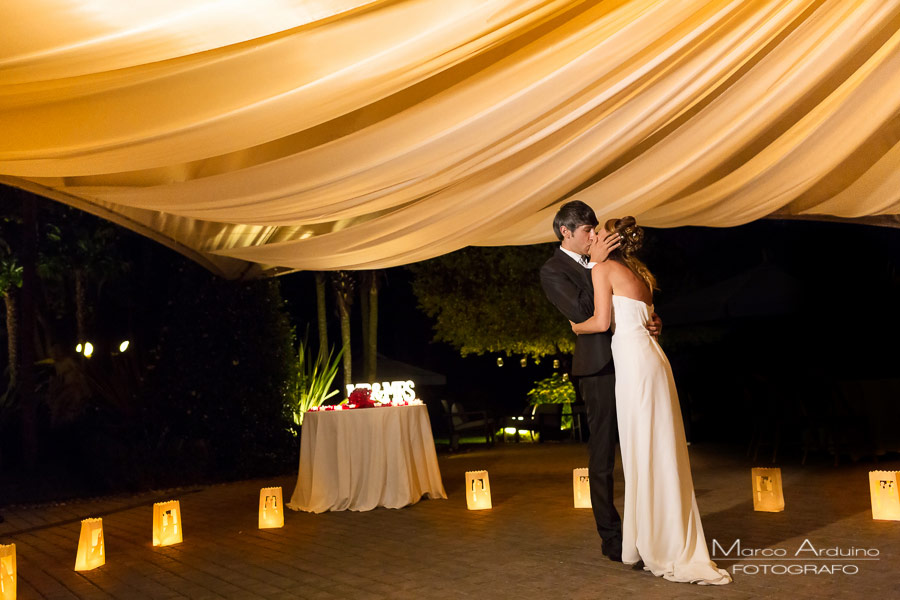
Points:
[(585, 259)]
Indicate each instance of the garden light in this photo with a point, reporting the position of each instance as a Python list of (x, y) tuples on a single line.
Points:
[(885, 495), (581, 487), (478, 490), (8, 572), (767, 492), (91, 553), (167, 528), (270, 508)]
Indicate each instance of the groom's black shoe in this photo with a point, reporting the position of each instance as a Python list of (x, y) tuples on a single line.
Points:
[(612, 550)]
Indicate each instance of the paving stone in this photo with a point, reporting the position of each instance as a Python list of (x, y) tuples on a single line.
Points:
[(531, 544)]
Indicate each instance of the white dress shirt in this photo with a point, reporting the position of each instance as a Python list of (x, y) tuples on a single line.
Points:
[(577, 258)]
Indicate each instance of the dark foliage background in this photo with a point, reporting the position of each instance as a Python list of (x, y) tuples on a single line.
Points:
[(199, 395), (489, 300)]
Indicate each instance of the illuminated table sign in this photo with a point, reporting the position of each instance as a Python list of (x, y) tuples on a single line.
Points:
[(387, 392)]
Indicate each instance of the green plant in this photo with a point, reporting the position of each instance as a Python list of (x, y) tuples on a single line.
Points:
[(314, 379), (556, 389)]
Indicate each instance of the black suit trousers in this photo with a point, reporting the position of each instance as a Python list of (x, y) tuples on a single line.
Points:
[(599, 394)]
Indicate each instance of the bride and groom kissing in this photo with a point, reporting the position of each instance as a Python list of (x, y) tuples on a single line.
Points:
[(625, 380)]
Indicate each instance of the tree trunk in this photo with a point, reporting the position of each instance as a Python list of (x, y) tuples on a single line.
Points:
[(26, 331), (345, 341), (344, 284), (80, 306), (364, 314), (322, 316), (372, 337), (12, 334)]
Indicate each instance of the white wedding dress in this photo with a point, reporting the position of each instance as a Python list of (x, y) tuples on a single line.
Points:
[(661, 523)]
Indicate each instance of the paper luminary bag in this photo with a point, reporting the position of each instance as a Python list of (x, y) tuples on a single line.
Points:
[(91, 552), (478, 490), (167, 529), (581, 486), (885, 495), (767, 492), (270, 508), (8, 572)]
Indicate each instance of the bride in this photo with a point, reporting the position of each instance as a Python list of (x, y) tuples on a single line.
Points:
[(661, 523)]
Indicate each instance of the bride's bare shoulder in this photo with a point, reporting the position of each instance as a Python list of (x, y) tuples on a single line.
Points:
[(619, 273), (614, 267)]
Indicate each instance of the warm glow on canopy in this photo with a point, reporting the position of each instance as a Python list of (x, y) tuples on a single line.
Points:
[(123, 346), (88, 349), (354, 134)]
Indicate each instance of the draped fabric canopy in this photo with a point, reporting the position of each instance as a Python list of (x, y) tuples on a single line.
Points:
[(346, 134)]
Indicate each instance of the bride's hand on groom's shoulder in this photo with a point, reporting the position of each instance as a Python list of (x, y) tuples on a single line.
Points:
[(572, 323)]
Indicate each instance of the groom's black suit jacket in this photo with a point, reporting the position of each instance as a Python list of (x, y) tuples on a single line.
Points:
[(568, 286)]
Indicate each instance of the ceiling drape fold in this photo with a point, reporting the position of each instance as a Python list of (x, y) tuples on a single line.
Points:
[(353, 135)]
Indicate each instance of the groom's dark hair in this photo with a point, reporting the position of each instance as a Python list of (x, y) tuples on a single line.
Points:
[(573, 215)]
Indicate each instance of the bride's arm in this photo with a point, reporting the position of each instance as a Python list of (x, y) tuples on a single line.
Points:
[(600, 320)]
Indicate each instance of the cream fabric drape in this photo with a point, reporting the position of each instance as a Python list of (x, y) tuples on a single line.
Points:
[(353, 135)]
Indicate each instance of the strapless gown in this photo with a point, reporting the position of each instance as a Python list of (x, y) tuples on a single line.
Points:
[(661, 523)]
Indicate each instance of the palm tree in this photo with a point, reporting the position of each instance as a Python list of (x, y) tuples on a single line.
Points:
[(368, 295), (92, 263), (344, 284), (321, 314), (26, 371), (10, 282)]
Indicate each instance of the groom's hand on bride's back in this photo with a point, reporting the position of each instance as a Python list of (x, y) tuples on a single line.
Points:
[(655, 325)]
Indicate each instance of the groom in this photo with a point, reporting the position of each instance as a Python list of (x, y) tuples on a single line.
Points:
[(566, 279)]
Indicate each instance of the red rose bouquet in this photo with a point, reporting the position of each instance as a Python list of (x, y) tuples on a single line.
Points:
[(361, 398)]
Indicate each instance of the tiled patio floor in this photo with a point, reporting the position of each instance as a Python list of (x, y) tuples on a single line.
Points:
[(532, 544)]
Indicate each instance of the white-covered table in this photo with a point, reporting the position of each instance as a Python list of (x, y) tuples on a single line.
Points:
[(363, 458)]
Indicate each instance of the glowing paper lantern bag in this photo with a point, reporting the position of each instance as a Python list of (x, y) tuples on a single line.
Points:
[(8, 572), (91, 553), (581, 486), (167, 529), (478, 490), (270, 509), (885, 495), (767, 491)]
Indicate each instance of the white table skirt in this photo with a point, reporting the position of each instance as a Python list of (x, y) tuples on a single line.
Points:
[(362, 458)]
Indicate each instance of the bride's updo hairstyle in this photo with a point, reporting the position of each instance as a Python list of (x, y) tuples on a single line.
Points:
[(632, 240)]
